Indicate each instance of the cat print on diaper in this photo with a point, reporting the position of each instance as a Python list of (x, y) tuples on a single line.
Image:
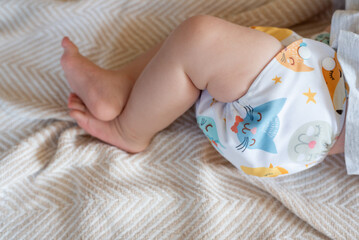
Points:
[(259, 127), (310, 141), (208, 126)]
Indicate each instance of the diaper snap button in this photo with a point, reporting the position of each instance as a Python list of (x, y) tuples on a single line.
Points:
[(304, 52), (328, 64)]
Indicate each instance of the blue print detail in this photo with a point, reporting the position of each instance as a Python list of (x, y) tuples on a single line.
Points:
[(208, 126), (259, 127)]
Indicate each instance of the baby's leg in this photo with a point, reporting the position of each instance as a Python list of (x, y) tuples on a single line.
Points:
[(202, 53)]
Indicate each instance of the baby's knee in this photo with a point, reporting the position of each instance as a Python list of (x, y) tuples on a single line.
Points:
[(198, 31), (200, 24)]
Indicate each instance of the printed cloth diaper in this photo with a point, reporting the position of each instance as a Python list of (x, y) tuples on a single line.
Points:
[(290, 117)]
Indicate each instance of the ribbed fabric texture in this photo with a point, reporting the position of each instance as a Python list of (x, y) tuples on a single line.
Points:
[(56, 182)]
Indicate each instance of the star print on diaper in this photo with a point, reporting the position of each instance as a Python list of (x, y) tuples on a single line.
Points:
[(277, 79), (310, 96)]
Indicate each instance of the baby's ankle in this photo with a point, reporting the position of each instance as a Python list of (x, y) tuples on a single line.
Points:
[(132, 141)]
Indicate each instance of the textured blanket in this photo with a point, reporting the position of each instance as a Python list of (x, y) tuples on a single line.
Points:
[(57, 182)]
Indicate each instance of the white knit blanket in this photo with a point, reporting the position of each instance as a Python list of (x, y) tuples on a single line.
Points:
[(56, 182)]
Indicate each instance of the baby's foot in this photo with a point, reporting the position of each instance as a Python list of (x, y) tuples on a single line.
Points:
[(107, 131), (104, 92)]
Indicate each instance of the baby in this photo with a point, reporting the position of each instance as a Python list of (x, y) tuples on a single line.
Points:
[(260, 104)]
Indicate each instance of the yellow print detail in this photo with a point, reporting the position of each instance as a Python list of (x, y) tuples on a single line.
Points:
[(264, 172), (278, 33), (290, 58)]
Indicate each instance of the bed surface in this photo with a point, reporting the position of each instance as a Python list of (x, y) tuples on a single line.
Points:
[(57, 182)]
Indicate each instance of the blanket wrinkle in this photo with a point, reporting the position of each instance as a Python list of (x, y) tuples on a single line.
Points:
[(281, 13)]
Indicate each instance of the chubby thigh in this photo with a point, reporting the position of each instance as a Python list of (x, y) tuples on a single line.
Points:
[(224, 57)]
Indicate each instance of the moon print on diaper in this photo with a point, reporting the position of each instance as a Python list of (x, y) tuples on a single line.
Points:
[(311, 141), (293, 56)]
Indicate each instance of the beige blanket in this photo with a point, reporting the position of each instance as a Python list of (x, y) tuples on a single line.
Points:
[(56, 182)]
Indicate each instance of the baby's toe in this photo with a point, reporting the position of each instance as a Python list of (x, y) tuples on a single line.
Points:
[(81, 118), (69, 46), (75, 103)]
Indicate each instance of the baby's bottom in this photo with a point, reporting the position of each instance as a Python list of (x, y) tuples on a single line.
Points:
[(202, 53)]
